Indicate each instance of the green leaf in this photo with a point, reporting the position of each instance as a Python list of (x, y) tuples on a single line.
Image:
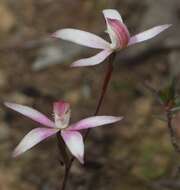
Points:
[(168, 93), (177, 101), (154, 92)]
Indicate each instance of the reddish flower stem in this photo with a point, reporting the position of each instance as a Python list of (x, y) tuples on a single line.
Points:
[(106, 81), (62, 150), (66, 174), (104, 87), (172, 132)]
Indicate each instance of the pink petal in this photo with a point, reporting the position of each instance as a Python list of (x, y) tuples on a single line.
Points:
[(148, 34), (119, 33), (112, 14), (74, 142), (32, 138), (92, 122), (62, 114), (82, 37), (94, 60), (31, 113)]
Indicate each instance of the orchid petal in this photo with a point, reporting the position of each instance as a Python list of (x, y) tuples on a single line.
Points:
[(82, 37), (148, 34), (74, 142), (112, 14), (94, 60), (32, 138), (62, 114), (92, 122), (31, 113)]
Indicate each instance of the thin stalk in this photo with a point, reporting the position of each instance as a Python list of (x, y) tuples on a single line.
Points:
[(62, 150), (106, 81), (66, 175), (172, 132)]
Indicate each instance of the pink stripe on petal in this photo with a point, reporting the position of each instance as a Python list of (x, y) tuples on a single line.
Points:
[(119, 34), (74, 142), (148, 34), (82, 37), (94, 60), (31, 113), (92, 122), (32, 138), (112, 14)]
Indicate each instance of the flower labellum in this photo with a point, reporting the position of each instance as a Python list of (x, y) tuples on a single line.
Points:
[(118, 33), (70, 133)]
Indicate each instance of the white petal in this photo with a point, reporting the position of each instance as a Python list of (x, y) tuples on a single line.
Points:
[(74, 142), (31, 113), (32, 138), (148, 34), (112, 14), (94, 121), (82, 37), (94, 60)]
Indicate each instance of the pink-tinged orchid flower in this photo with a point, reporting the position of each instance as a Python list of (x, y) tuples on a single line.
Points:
[(118, 33), (70, 133)]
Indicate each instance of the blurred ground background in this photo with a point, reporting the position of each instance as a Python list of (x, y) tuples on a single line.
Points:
[(34, 70)]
